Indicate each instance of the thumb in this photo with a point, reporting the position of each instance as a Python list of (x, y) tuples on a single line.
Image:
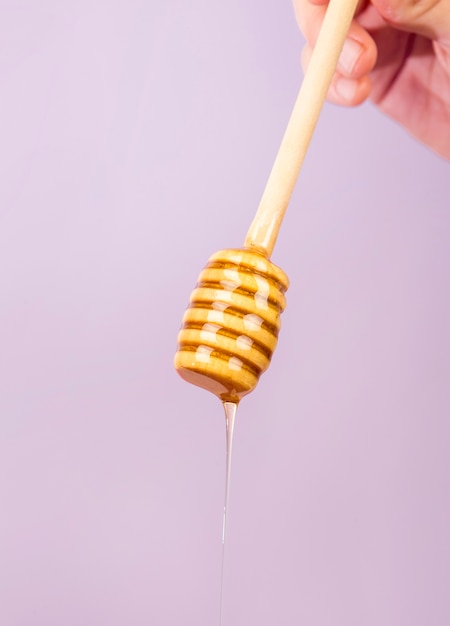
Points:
[(430, 18)]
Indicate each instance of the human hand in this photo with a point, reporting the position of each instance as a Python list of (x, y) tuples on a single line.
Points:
[(397, 52)]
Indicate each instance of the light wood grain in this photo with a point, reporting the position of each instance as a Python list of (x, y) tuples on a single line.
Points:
[(264, 229)]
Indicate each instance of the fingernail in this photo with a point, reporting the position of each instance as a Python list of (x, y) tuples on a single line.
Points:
[(350, 54), (346, 88)]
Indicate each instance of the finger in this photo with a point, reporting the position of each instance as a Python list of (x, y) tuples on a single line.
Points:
[(349, 92), (359, 53), (354, 61), (359, 7), (430, 18), (305, 13), (343, 90)]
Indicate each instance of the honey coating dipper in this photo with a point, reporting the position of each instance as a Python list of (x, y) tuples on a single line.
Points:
[(230, 329)]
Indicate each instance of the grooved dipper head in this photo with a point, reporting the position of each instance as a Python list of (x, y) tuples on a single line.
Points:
[(230, 329)]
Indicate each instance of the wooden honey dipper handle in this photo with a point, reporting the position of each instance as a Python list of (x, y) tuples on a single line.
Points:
[(264, 229)]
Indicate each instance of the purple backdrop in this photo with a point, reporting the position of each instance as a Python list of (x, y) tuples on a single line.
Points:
[(136, 139)]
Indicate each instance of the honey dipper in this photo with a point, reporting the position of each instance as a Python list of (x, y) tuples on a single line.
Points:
[(231, 327)]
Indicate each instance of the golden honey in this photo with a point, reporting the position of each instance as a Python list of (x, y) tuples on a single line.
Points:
[(230, 329)]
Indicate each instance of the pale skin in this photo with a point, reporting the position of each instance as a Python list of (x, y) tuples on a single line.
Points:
[(397, 53)]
